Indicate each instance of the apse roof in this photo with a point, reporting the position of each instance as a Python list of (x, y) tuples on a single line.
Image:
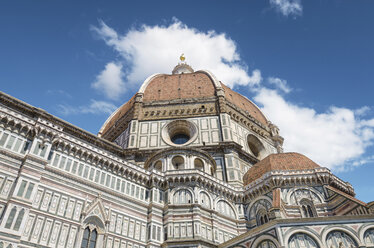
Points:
[(278, 162)]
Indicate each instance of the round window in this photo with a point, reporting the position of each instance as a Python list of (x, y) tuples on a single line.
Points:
[(180, 138), (255, 146), (179, 133)]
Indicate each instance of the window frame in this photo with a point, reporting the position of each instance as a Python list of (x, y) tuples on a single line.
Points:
[(89, 240)]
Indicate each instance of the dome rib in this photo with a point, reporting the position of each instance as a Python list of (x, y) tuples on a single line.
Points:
[(201, 84), (116, 115), (244, 103), (147, 81)]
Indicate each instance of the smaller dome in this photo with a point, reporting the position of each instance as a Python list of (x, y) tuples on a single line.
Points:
[(278, 162)]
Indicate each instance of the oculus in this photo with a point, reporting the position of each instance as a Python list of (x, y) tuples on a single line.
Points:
[(256, 146), (179, 133)]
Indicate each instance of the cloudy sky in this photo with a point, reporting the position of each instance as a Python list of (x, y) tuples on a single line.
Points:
[(307, 64)]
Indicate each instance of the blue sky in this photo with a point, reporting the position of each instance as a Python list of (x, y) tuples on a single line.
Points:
[(307, 64)]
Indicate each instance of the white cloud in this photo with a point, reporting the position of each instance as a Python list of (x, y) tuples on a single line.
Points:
[(110, 82), (280, 84), (336, 138), (333, 139), (95, 107), (256, 78), (364, 160), (368, 123), (152, 49), (362, 111), (287, 7)]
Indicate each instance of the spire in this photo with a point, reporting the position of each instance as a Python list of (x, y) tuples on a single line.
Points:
[(182, 66)]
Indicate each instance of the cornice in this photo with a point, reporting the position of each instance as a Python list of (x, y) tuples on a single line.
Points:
[(13, 155), (326, 220), (197, 100), (189, 241), (204, 180), (252, 123), (47, 121), (292, 178)]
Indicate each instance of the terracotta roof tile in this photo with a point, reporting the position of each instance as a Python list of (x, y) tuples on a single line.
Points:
[(179, 86), (182, 86), (280, 161), (244, 103), (118, 114)]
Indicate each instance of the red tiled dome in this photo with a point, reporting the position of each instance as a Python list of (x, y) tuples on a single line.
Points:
[(195, 85), (280, 161), (179, 86)]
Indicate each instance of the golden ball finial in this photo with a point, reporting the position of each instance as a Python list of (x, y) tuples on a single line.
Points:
[(182, 58)]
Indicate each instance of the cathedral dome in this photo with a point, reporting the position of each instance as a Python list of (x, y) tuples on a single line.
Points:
[(184, 86), (279, 162)]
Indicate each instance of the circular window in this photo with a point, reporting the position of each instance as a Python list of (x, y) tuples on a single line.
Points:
[(255, 146), (179, 133), (180, 138)]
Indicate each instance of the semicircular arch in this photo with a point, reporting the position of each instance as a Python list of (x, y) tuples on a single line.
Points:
[(96, 221), (314, 191), (218, 204), (347, 230), (265, 237), (307, 231), (202, 193), (176, 190), (265, 198), (362, 230)]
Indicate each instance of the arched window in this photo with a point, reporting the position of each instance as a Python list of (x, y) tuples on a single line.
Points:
[(178, 163), (225, 209), (262, 217), (205, 200), (10, 219), (307, 208), (199, 165), (258, 209), (1, 244), (304, 193), (158, 165), (369, 237), (93, 238), (302, 240), (182, 196), (89, 238), (310, 211), (19, 219), (86, 236), (266, 244), (340, 239)]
